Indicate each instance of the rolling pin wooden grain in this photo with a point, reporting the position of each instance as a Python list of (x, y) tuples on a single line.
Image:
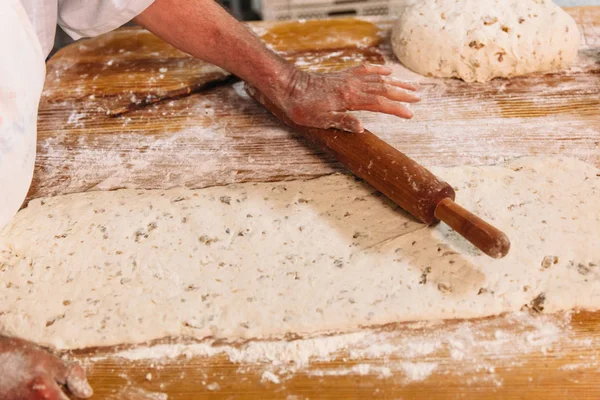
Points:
[(403, 180)]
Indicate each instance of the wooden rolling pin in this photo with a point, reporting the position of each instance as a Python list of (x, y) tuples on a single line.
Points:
[(403, 180)]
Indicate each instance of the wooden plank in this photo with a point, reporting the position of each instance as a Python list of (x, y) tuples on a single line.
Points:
[(122, 70), (220, 136), (565, 369), (81, 148)]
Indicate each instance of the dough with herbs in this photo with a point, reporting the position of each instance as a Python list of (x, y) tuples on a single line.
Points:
[(301, 257), (478, 40)]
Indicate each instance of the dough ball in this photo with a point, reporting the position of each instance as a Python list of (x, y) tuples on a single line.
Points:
[(478, 40)]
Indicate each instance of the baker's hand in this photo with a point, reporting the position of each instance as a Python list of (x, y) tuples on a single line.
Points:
[(28, 372), (322, 100)]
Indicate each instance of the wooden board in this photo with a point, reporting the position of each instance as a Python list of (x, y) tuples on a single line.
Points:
[(220, 136), (124, 70), (81, 148), (568, 369)]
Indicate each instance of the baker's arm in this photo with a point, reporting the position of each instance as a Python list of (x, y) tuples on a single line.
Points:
[(203, 29)]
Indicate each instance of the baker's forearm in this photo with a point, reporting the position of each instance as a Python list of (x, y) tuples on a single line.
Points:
[(202, 28), (205, 30)]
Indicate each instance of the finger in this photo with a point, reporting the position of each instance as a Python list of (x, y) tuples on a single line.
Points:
[(391, 92), (346, 122), (369, 69), (70, 374), (44, 388), (390, 80), (77, 382), (401, 83), (382, 105)]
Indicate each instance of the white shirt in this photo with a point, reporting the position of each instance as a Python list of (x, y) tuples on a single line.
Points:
[(27, 30)]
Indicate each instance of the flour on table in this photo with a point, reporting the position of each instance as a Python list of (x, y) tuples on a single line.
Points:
[(477, 40), (264, 260), (411, 352)]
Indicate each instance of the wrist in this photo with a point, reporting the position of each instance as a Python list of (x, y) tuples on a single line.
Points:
[(277, 81)]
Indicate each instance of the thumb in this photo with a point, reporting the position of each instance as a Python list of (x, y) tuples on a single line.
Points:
[(70, 374), (346, 122), (77, 382)]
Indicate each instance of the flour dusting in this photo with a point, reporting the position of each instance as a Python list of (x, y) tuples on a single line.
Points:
[(417, 371), (409, 353), (14, 369)]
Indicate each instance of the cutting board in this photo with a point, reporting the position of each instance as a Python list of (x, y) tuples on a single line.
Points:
[(127, 110)]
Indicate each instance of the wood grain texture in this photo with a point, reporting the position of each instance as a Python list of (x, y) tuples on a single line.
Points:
[(508, 373), (483, 235), (221, 136), (124, 69)]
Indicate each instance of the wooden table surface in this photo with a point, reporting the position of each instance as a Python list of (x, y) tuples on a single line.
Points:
[(116, 113)]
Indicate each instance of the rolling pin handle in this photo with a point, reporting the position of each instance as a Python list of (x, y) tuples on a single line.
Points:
[(484, 236)]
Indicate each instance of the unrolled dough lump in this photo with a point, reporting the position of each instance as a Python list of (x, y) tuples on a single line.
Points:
[(268, 259), (478, 40)]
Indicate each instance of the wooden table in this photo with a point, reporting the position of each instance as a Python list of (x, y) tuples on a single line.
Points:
[(116, 113)]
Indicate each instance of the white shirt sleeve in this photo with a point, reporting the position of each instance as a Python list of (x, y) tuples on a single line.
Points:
[(22, 72), (86, 18)]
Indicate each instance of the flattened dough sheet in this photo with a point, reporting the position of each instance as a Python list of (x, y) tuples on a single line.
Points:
[(267, 259)]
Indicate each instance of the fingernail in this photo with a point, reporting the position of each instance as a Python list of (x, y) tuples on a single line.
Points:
[(358, 128), (410, 96), (413, 94)]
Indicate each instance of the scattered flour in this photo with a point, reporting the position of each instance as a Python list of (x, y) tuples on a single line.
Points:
[(13, 369), (579, 366), (136, 393), (75, 119), (417, 371), (270, 377), (359, 369), (410, 353), (240, 90)]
